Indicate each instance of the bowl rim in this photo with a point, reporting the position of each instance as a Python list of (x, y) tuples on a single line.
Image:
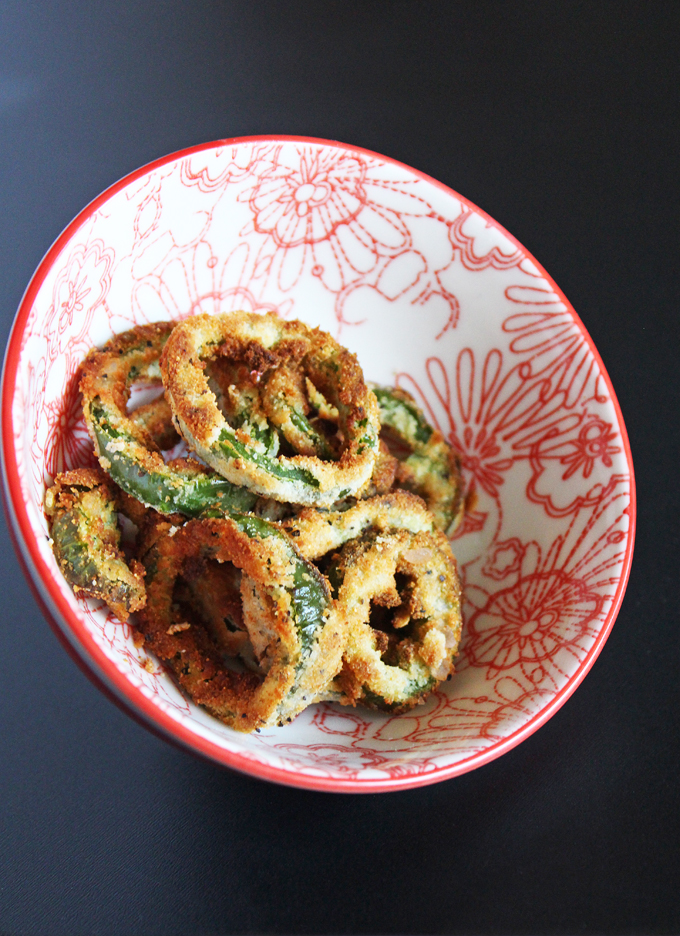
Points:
[(80, 644)]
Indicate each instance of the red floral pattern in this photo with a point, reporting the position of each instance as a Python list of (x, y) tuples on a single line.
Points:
[(501, 255), (438, 298), (67, 443), (531, 620), (594, 444)]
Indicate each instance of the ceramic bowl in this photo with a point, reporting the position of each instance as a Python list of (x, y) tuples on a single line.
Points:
[(431, 294)]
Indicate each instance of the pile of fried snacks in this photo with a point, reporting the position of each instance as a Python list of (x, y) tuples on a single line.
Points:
[(300, 554)]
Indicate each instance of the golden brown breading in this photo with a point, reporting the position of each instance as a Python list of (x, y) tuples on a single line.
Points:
[(81, 509), (246, 454), (318, 532), (428, 466), (394, 660), (296, 637)]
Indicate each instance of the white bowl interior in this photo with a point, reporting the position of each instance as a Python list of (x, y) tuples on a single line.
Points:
[(430, 294)]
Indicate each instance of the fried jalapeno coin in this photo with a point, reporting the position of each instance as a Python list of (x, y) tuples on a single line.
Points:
[(318, 532), (244, 453), (125, 443), (402, 596), (428, 466), (390, 556), (82, 511), (286, 608)]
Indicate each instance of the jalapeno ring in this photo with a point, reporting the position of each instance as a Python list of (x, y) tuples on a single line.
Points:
[(393, 663), (318, 532), (266, 342), (432, 469), (82, 511), (286, 608), (123, 443)]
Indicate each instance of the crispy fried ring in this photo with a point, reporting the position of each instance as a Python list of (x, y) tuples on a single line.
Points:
[(432, 469), (81, 508), (394, 664), (318, 532), (265, 342), (287, 610), (125, 446)]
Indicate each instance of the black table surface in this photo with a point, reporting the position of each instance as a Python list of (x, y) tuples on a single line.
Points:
[(561, 121)]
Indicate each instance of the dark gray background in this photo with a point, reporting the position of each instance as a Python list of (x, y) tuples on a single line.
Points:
[(560, 120)]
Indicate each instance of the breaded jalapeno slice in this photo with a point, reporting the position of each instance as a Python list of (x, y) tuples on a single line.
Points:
[(128, 445), (317, 532), (386, 553), (277, 353), (401, 594), (82, 511), (295, 634), (428, 465)]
